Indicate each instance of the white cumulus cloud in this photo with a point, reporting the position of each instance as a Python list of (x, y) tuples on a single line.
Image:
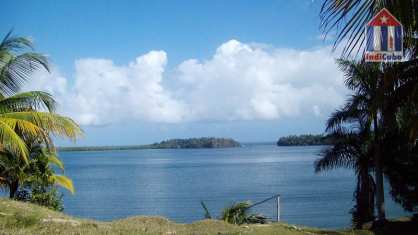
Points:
[(239, 82)]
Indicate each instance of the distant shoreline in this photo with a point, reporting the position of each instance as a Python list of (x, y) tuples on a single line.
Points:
[(305, 140), (191, 143), (145, 147), (101, 148)]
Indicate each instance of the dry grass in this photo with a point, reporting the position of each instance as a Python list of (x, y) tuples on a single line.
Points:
[(24, 218)]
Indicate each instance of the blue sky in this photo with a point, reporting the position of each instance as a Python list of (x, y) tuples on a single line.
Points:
[(109, 36)]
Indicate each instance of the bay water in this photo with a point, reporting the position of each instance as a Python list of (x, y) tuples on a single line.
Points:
[(172, 183)]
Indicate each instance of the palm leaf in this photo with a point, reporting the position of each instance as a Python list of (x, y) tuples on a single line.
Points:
[(49, 122), (205, 208), (64, 182), (12, 142), (344, 153), (53, 158), (31, 100), (10, 43), (17, 69), (24, 128), (236, 213), (336, 157)]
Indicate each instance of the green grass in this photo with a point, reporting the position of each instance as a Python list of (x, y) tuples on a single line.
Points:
[(24, 218)]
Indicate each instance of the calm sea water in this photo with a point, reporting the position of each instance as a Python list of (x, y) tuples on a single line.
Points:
[(171, 183)]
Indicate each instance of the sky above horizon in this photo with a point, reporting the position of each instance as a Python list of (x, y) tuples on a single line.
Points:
[(137, 72)]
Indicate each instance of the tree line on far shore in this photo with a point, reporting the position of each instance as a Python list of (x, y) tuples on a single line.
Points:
[(203, 142), (304, 140)]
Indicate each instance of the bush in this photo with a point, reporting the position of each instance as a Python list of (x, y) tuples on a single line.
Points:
[(238, 214), (43, 196)]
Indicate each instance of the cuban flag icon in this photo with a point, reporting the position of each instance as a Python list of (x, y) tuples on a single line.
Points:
[(384, 38)]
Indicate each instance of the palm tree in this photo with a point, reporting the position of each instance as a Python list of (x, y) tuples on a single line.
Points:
[(20, 114), (354, 150), (386, 100), (400, 132), (366, 80), (27, 118), (354, 129), (347, 18), (16, 66)]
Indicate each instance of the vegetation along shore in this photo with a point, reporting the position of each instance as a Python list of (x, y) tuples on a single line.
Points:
[(204, 142), (304, 140)]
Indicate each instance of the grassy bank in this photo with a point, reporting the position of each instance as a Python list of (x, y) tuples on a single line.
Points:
[(25, 218)]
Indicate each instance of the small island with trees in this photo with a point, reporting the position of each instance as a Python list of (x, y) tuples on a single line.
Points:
[(203, 142), (304, 140)]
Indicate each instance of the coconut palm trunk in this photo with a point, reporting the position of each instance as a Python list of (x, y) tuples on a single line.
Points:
[(363, 210), (13, 187), (380, 194)]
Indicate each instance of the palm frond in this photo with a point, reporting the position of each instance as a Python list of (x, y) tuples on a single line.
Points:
[(344, 153), (11, 141), (339, 156), (205, 208), (236, 213), (53, 158), (349, 114), (26, 130), (10, 43), (64, 182), (31, 100), (363, 79), (17, 70), (49, 122), (347, 18)]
